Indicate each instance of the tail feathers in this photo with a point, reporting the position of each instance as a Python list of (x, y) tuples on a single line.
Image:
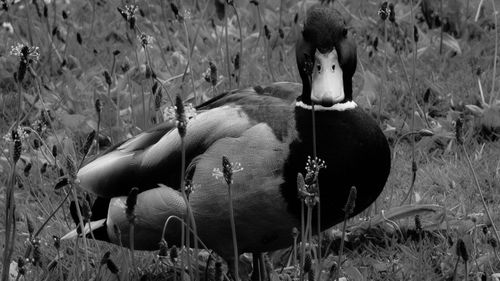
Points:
[(96, 227)]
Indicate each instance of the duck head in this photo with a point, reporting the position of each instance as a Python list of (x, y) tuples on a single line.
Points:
[(326, 58)]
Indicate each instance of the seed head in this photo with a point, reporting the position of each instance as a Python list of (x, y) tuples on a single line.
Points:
[(174, 253), (71, 168), (88, 142), (267, 32), (98, 106), (383, 12), (163, 248), (392, 13), (146, 40), (351, 201), (57, 242), (180, 116), (131, 202), (307, 262), (17, 146), (112, 266), (493, 242), (21, 262), (418, 223), (462, 250), (107, 78), (29, 223), (105, 258), (458, 131), (27, 169), (227, 170)]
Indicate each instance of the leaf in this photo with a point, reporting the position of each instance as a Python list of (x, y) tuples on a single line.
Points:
[(476, 110), (398, 213), (353, 273)]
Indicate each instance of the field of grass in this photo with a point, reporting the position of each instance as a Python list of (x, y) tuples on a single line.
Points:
[(439, 108)]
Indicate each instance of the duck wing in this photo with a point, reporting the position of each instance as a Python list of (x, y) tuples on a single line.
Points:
[(154, 156)]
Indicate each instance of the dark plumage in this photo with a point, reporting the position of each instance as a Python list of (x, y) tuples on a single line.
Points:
[(268, 129)]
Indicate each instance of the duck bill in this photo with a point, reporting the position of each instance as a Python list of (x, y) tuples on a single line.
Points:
[(327, 86)]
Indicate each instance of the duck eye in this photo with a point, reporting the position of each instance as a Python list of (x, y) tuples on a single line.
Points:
[(333, 67), (319, 67)]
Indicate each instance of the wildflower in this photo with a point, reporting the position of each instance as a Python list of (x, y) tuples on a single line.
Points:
[(171, 112), (146, 40), (128, 14), (383, 12), (307, 186), (39, 126), (187, 14), (4, 5), (27, 53), (228, 170)]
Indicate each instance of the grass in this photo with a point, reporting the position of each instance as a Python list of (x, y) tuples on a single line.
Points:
[(56, 98)]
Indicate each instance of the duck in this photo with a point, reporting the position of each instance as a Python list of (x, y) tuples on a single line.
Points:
[(268, 131)]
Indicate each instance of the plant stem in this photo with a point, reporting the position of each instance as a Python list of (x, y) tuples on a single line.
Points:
[(493, 95), (233, 233), (227, 47)]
